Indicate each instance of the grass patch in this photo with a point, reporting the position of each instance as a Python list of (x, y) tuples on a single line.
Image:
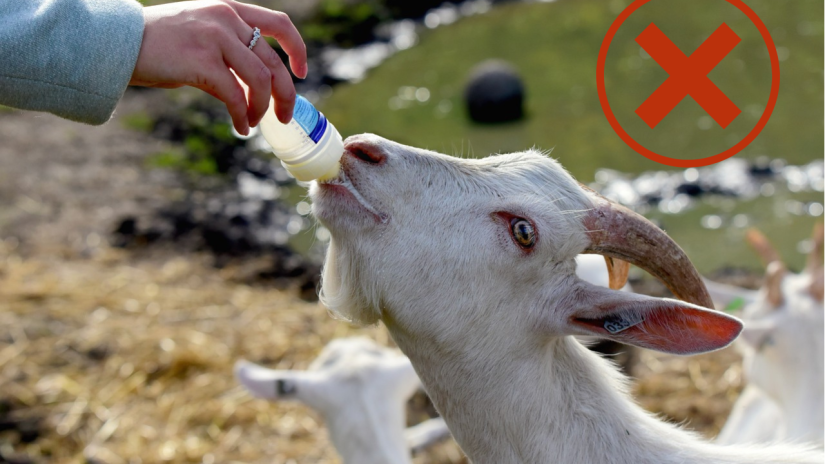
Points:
[(140, 121), (180, 160), (555, 46)]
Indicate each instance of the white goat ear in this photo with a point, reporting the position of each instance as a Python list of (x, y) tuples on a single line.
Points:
[(660, 324), (275, 384)]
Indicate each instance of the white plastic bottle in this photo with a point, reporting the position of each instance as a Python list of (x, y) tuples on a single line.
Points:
[(309, 147)]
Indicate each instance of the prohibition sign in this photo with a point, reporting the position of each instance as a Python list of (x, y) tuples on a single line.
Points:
[(673, 89)]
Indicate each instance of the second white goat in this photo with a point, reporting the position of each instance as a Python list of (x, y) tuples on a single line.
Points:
[(361, 390), (782, 345)]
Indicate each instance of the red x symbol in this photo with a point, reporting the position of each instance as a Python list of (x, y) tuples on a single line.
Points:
[(688, 75)]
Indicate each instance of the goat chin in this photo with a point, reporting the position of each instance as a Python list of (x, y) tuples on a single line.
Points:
[(339, 293), (472, 270)]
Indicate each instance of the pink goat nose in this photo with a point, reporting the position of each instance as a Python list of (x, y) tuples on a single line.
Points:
[(365, 149)]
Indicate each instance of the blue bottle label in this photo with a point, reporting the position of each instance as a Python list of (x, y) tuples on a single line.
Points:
[(310, 120)]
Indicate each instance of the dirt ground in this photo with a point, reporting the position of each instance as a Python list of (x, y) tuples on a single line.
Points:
[(64, 184), (111, 356)]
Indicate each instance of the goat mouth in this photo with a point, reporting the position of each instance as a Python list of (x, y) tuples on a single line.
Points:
[(343, 181)]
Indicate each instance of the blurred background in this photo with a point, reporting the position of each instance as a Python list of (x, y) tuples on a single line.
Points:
[(140, 259)]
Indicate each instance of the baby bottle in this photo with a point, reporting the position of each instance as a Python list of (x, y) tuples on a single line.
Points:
[(309, 147)]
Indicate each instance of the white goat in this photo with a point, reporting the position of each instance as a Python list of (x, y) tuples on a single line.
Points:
[(361, 390), (471, 266), (782, 346)]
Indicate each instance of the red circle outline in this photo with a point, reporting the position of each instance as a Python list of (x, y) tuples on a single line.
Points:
[(693, 163)]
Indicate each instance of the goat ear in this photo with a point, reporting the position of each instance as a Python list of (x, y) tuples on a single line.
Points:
[(660, 324), (273, 384)]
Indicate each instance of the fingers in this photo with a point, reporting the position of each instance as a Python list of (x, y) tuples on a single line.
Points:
[(222, 84), (278, 26), (280, 83), (254, 73), (281, 86)]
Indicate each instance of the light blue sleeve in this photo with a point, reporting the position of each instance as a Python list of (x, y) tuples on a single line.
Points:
[(73, 58)]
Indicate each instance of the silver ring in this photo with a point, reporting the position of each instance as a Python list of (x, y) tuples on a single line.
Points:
[(255, 36)]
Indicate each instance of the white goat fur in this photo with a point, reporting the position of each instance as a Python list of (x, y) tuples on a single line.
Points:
[(414, 245), (368, 362), (361, 390), (783, 363)]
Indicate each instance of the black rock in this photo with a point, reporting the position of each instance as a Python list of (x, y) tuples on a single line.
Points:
[(690, 189), (494, 93), (761, 167), (27, 428), (128, 226)]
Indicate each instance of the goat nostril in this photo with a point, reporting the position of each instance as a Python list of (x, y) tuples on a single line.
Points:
[(367, 155)]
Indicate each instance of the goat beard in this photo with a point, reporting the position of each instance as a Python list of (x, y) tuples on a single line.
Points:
[(343, 291)]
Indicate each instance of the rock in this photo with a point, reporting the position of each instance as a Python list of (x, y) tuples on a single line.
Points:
[(494, 93), (691, 189)]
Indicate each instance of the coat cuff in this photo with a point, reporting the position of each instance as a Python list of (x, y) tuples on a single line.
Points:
[(73, 58)]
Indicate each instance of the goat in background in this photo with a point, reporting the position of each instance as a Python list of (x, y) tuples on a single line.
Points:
[(782, 347), (361, 390)]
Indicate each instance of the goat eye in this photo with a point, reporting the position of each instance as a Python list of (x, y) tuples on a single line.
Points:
[(523, 232)]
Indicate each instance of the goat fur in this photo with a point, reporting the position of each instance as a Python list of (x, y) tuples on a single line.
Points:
[(485, 323), (783, 347), (361, 390)]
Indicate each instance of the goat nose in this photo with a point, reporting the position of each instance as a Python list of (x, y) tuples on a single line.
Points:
[(367, 149)]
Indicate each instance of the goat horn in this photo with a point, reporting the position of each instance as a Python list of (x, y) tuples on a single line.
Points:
[(815, 256), (814, 265), (618, 232), (773, 283), (817, 286), (617, 271), (762, 246)]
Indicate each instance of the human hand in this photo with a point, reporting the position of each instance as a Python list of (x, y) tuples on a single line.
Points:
[(196, 43)]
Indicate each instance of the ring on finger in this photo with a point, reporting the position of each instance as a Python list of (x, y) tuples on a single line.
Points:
[(255, 36)]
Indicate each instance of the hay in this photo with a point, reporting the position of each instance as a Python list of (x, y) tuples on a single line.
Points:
[(125, 360)]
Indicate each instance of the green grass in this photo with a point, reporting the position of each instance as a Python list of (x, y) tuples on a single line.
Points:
[(554, 46), (177, 159), (139, 121), (712, 249)]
